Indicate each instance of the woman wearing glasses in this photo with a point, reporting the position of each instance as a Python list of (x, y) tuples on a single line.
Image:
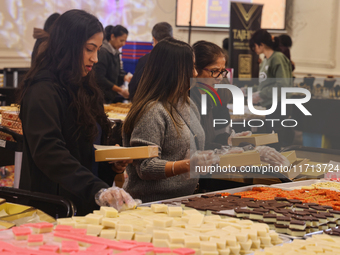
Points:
[(210, 63)]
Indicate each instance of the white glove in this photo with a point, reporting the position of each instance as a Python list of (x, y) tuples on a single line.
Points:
[(202, 159), (124, 93), (228, 150), (233, 135), (271, 156), (117, 198)]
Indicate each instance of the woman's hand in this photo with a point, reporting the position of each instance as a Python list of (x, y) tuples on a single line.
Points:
[(120, 166), (124, 93), (117, 198)]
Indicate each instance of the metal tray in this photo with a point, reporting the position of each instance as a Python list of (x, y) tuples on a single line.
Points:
[(299, 184), (231, 191)]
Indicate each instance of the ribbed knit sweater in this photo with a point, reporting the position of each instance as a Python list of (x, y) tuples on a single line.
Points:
[(147, 180)]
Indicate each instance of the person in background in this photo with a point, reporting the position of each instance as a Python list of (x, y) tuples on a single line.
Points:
[(62, 114), (160, 116), (210, 62), (109, 74), (159, 32), (225, 47), (41, 35), (285, 45), (275, 72)]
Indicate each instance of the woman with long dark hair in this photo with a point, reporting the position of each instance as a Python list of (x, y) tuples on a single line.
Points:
[(62, 116), (275, 72), (160, 115)]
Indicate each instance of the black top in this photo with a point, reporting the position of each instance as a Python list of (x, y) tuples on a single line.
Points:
[(108, 73), (137, 75), (54, 160)]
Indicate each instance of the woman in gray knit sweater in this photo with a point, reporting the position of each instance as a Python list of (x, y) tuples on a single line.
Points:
[(163, 115)]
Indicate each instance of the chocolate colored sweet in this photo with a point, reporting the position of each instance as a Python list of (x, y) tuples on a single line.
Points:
[(294, 201), (297, 222), (269, 215)]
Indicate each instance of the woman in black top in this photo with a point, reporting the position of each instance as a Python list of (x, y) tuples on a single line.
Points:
[(62, 116)]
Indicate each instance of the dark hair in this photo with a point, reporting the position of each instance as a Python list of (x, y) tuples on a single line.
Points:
[(286, 41), (118, 31), (63, 58), (50, 20), (162, 30), (225, 44), (262, 36), (108, 32), (206, 53), (167, 84)]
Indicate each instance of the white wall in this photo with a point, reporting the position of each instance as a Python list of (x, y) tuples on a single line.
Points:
[(313, 24)]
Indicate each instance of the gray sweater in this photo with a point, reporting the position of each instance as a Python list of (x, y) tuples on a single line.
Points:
[(147, 180)]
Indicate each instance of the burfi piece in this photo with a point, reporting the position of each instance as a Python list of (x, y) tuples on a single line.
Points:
[(160, 234), (21, 233), (297, 232), (93, 229), (79, 219), (208, 246), (66, 221), (256, 244), (196, 220), (220, 242), (297, 224), (255, 215), (121, 235), (242, 237), (69, 246), (269, 218), (125, 227), (143, 237), (35, 240), (225, 251), (323, 226), (42, 227), (108, 233), (110, 222), (176, 245), (174, 211), (192, 242), (281, 229), (97, 212), (193, 211), (162, 222), (49, 248), (246, 245), (209, 253), (160, 243), (159, 208), (235, 249), (94, 219), (176, 237), (231, 240), (108, 212), (284, 220), (183, 251), (241, 213)]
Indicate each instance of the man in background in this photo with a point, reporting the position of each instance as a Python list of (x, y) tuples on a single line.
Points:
[(159, 32)]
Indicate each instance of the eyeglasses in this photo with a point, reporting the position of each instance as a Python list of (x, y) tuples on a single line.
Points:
[(217, 73)]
